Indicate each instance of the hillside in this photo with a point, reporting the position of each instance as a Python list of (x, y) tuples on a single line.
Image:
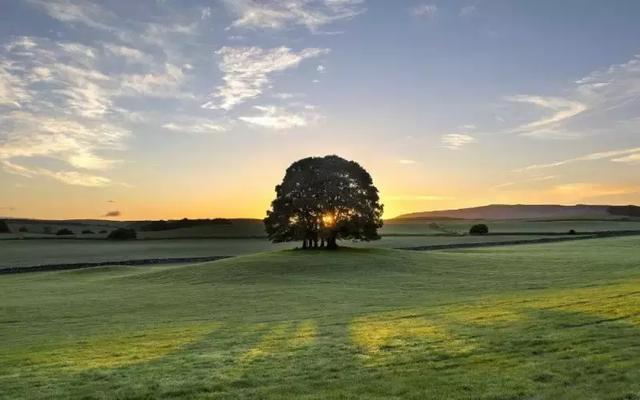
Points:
[(518, 211), (556, 321)]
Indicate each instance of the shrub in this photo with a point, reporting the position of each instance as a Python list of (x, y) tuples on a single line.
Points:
[(64, 231), (23, 229), (479, 229), (103, 231), (88, 232), (122, 234), (4, 228), (572, 232)]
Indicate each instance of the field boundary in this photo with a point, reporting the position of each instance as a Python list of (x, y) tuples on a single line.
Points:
[(567, 238), (136, 262)]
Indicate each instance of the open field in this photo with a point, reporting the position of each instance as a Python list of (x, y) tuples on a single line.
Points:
[(24, 253), (535, 321), (531, 226)]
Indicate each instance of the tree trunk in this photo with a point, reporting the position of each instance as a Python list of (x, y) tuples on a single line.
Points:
[(304, 243), (322, 243), (331, 243)]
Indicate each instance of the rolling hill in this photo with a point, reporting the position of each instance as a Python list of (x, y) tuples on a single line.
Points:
[(520, 211)]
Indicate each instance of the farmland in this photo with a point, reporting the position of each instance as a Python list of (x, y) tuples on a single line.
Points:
[(548, 321)]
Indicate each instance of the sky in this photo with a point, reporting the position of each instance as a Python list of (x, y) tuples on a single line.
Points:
[(194, 108)]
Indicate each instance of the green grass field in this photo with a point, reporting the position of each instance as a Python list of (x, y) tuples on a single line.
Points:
[(25, 253), (522, 322)]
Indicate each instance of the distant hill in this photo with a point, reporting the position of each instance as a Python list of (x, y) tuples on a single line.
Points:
[(520, 211)]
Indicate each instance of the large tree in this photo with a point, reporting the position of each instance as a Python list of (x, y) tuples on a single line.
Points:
[(323, 199)]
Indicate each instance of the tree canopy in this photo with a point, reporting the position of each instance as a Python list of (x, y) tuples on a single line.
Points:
[(323, 199), (479, 229)]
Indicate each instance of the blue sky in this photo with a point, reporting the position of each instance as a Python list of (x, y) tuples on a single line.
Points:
[(160, 109)]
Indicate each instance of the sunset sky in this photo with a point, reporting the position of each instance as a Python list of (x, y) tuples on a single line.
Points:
[(171, 109)]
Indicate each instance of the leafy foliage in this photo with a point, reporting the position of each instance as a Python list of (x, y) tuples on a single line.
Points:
[(122, 234), (64, 232), (479, 229), (4, 228), (324, 199)]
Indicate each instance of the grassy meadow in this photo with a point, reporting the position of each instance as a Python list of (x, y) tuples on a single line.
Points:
[(520, 322), (25, 253)]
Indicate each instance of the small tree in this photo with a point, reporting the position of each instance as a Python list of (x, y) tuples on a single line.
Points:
[(122, 234), (64, 232), (4, 228), (323, 199), (479, 229)]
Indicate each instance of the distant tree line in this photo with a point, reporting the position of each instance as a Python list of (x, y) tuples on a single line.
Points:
[(626, 211), (4, 228), (162, 225)]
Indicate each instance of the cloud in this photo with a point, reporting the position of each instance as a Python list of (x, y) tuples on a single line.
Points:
[(247, 72), (425, 10), (467, 10), (454, 141), (631, 159), (591, 104), (631, 153), (524, 181), (321, 69), (563, 109), (129, 54), (162, 83), (407, 162), (86, 13), (196, 126), (278, 15), (114, 213), (68, 177), (279, 118)]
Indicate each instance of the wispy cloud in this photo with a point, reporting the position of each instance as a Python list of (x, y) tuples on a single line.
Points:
[(89, 14), (455, 141), (197, 126), (524, 181), (631, 153), (588, 105), (280, 118), (426, 10), (112, 214), (407, 162), (71, 101), (68, 177), (277, 14), (247, 71), (546, 127)]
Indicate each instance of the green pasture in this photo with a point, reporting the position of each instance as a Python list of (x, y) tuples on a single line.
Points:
[(25, 253), (553, 321)]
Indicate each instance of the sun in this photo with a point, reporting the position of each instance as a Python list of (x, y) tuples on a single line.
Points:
[(328, 219)]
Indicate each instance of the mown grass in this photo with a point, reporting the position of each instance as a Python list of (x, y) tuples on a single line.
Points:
[(540, 321), (25, 253)]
